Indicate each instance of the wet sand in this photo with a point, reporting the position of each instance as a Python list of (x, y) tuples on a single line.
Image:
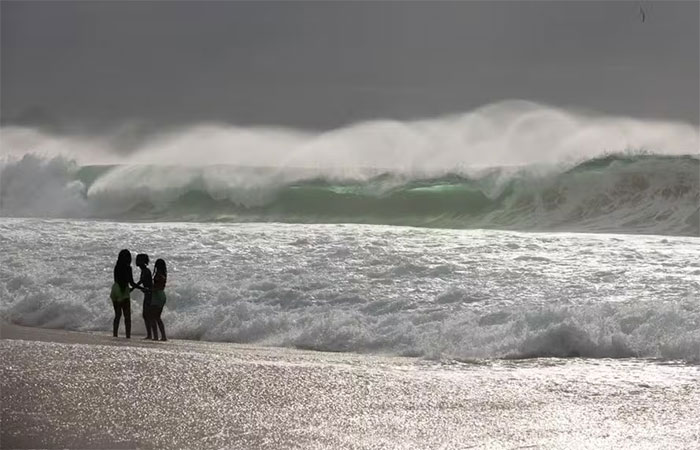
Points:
[(88, 390)]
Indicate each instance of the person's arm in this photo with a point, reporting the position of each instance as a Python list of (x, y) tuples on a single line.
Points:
[(131, 281), (144, 284)]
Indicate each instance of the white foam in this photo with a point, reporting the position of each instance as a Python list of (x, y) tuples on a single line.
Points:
[(34, 186), (260, 283)]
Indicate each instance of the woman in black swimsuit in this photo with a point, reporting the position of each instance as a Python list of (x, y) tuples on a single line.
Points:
[(146, 285)]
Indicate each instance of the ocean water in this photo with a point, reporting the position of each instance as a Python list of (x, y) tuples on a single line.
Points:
[(434, 293), (515, 230), (520, 303), (615, 193)]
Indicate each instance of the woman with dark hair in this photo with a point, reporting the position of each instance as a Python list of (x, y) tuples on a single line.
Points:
[(121, 292), (146, 285), (158, 300)]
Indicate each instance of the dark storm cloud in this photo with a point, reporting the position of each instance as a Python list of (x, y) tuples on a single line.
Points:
[(320, 65)]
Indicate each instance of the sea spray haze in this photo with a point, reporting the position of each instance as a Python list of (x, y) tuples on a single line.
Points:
[(506, 133), (510, 165)]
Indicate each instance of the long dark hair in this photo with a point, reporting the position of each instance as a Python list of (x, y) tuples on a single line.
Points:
[(160, 267), (124, 257), (122, 269)]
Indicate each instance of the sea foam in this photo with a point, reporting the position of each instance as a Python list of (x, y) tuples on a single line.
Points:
[(439, 294)]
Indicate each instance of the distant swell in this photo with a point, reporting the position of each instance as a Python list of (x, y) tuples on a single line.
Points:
[(617, 193)]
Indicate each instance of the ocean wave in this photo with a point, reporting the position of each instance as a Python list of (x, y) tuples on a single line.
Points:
[(667, 331), (642, 193)]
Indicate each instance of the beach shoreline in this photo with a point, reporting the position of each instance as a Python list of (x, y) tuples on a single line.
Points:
[(64, 389)]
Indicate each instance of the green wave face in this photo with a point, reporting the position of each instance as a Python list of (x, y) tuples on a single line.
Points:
[(405, 202), (616, 193)]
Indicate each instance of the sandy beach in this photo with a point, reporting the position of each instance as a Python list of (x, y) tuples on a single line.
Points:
[(64, 389)]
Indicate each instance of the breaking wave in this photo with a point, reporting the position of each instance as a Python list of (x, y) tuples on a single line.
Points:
[(605, 330), (635, 193)]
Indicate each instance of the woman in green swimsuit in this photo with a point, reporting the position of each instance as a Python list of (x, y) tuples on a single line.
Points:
[(121, 292)]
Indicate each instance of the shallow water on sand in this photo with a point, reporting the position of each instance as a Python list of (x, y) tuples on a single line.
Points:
[(206, 395)]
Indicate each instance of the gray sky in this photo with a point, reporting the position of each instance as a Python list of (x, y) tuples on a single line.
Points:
[(321, 65)]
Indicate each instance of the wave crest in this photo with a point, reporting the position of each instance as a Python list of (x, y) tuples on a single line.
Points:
[(642, 193)]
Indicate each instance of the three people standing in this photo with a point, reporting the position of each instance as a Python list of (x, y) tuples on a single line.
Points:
[(151, 287)]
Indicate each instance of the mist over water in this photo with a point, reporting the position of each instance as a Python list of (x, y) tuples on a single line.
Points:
[(500, 134), (514, 164)]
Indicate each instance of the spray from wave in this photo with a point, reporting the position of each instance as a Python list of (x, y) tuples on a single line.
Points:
[(513, 165)]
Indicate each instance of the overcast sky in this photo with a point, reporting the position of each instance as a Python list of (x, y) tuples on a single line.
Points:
[(321, 65)]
